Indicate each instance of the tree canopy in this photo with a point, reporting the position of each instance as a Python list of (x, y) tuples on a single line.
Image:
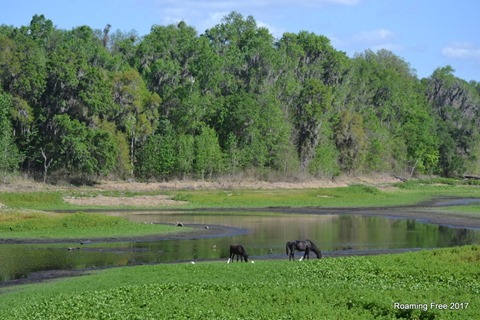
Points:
[(177, 104)]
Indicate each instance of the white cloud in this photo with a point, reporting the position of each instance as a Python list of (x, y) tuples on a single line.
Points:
[(461, 50), (373, 36), (372, 39), (275, 31), (205, 14)]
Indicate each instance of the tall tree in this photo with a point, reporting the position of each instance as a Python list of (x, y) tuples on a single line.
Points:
[(457, 105), (314, 102), (208, 155), (136, 109), (9, 155), (82, 150)]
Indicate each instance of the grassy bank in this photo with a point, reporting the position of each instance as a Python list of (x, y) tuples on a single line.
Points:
[(16, 222), (335, 288), (40, 225), (352, 196)]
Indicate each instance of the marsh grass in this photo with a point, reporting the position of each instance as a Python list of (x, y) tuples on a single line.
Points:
[(339, 288)]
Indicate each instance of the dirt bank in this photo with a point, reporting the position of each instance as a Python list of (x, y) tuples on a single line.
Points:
[(377, 180)]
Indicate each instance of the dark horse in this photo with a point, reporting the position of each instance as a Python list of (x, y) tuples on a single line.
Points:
[(306, 246), (239, 250)]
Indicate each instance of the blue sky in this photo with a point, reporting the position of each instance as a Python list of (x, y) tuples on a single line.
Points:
[(426, 33)]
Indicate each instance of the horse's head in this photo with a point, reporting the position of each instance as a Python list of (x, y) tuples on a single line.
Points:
[(319, 255), (245, 256)]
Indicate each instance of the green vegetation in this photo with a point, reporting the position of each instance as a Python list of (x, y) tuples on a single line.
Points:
[(339, 288), (353, 196), (467, 210), (408, 193), (40, 225), (343, 288), (80, 104), (32, 200)]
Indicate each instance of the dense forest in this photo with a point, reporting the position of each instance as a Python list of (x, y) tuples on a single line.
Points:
[(231, 101)]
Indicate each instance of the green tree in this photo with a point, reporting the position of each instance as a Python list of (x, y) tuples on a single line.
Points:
[(77, 83), (80, 149), (123, 166), (9, 155), (208, 155), (350, 138), (136, 108), (325, 163), (185, 154), (385, 91), (164, 57), (157, 157), (456, 104), (311, 111), (312, 70)]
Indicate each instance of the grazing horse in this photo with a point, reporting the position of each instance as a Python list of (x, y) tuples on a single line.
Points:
[(239, 250), (306, 246)]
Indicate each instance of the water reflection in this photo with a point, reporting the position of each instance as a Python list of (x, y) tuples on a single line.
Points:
[(264, 238)]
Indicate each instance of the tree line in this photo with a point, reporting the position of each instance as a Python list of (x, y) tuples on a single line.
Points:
[(178, 104)]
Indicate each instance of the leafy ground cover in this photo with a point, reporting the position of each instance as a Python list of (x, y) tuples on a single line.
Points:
[(415, 285)]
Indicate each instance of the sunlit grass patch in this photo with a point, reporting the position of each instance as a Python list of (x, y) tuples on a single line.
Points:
[(356, 195), (33, 200), (17, 225)]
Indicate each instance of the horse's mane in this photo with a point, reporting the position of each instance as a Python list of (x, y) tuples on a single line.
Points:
[(314, 247)]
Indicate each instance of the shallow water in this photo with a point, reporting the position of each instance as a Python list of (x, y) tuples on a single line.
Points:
[(264, 237)]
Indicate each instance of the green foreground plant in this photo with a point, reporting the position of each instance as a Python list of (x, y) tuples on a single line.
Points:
[(333, 288)]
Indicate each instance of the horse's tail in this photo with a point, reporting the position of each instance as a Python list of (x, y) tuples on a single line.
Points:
[(287, 246)]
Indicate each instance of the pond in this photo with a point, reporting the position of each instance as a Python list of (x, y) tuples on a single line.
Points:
[(263, 235)]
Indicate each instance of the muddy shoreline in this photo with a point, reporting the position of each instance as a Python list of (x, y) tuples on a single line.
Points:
[(423, 212)]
